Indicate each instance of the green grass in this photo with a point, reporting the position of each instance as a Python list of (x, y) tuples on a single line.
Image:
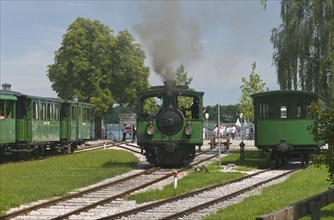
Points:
[(30, 181), (186, 184), (195, 181)]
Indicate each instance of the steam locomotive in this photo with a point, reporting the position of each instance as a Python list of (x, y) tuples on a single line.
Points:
[(169, 123)]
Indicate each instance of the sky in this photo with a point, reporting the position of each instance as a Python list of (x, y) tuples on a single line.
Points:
[(217, 41)]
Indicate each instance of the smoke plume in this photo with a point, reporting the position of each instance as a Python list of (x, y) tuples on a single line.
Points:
[(169, 36)]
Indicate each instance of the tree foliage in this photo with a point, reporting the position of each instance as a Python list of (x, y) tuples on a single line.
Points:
[(304, 47), (323, 130), (228, 113), (181, 76), (249, 87), (98, 67), (82, 64), (129, 73)]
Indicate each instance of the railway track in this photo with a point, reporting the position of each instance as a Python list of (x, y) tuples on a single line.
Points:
[(197, 204), (109, 193)]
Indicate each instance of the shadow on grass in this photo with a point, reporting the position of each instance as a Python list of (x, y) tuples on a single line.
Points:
[(327, 213), (252, 159)]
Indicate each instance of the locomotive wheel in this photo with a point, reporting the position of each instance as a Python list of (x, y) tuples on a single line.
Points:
[(24, 155)]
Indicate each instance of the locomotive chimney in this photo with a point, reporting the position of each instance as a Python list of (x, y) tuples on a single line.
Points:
[(170, 86), (6, 86)]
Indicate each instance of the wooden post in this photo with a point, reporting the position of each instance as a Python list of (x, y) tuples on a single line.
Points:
[(315, 209)]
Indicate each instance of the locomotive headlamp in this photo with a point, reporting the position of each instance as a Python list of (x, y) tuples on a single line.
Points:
[(189, 129), (150, 129)]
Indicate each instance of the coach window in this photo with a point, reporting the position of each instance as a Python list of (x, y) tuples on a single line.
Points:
[(56, 113), (43, 111), (2, 109), (74, 113), (308, 111), (284, 111), (266, 110), (299, 112), (35, 111), (9, 109), (48, 112), (88, 114)]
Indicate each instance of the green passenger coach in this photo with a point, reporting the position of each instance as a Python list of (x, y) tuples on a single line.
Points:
[(75, 122), (32, 125), (281, 120)]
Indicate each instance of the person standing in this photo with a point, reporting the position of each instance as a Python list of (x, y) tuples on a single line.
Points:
[(124, 133), (134, 132)]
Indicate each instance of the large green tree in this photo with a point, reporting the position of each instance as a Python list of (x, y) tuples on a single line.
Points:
[(253, 85), (304, 46), (98, 67)]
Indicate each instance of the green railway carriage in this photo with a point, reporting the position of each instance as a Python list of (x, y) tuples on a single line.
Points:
[(37, 125), (7, 119), (75, 122), (167, 129), (38, 119), (281, 119)]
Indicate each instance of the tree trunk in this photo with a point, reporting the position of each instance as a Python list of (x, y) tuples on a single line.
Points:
[(98, 127)]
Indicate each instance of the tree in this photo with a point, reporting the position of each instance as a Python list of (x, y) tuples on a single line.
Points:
[(94, 65), (249, 87), (323, 130), (304, 47), (181, 76), (129, 74), (228, 113)]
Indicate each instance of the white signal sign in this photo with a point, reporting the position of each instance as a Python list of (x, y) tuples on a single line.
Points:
[(127, 118)]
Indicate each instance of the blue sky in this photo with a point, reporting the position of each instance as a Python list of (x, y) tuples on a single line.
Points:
[(232, 35)]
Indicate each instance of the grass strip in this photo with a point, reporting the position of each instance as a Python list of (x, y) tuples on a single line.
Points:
[(25, 182)]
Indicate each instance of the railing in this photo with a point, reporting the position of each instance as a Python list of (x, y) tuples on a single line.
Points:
[(311, 206)]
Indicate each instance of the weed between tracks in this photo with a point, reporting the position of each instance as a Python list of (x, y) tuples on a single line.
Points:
[(30, 181)]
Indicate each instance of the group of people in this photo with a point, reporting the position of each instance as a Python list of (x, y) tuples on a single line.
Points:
[(230, 131)]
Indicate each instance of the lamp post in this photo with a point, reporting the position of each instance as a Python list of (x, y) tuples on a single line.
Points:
[(242, 127), (218, 109), (75, 98), (207, 125)]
